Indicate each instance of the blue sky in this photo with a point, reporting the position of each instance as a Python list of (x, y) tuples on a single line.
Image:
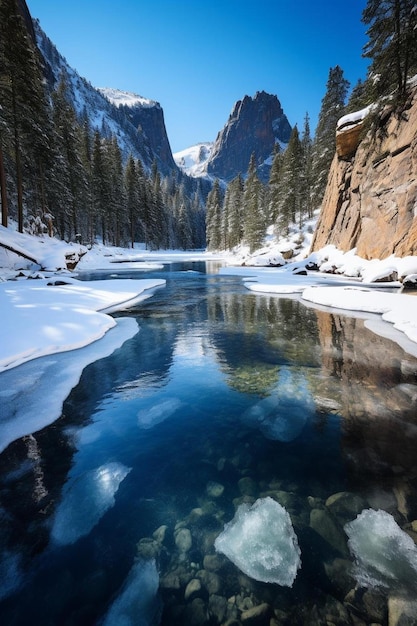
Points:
[(197, 58)]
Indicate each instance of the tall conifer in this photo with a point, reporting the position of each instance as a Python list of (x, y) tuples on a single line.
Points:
[(324, 146)]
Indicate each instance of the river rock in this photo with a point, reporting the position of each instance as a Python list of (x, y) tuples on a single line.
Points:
[(368, 604), (248, 487), (260, 614), (183, 540), (339, 572), (345, 505), (410, 282), (214, 490), (192, 590), (214, 562), (148, 548), (160, 534), (196, 613), (210, 581), (323, 523), (402, 611), (218, 607)]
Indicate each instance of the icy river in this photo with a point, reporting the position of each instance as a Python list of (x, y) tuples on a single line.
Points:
[(243, 459)]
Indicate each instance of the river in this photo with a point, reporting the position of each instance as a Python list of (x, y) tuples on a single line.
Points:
[(222, 398)]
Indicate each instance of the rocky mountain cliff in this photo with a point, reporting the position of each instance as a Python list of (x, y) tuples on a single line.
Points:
[(255, 125), (138, 123), (371, 197)]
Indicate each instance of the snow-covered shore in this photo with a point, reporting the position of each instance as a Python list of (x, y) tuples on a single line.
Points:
[(353, 287), (49, 313)]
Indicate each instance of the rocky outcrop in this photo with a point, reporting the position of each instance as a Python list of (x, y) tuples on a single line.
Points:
[(255, 125), (370, 201), (150, 120)]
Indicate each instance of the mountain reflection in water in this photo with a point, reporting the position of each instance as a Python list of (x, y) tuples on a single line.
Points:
[(222, 398)]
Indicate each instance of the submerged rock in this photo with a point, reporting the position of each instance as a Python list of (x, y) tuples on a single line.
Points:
[(323, 523), (261, 542), (214, 490)]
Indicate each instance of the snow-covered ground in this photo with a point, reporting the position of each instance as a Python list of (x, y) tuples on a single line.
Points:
[(48, 313)]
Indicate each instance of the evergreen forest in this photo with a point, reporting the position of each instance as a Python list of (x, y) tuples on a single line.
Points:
[(60, 175)]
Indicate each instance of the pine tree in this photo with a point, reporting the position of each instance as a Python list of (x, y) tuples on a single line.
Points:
[(291, 185), (392, 44), (87, 228), (235, 212), (332, 108), (254, 217), (131, 195), (213, 217), (71, 171), (306, 208), (275, 186), (360, 97), (24, 107)]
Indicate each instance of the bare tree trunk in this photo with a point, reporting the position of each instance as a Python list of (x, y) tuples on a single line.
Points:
[(4, 205)]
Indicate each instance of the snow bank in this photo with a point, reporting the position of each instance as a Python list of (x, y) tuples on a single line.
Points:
[(85, 501), (40, 317), (384, 554), (32, 395), (50, 253), (344, 280), (351, 119), (398, 309), (261, 542)]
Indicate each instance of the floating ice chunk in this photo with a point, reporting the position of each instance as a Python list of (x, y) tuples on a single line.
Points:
[(261, 541), (385, 555), (85, 501), (283, 415), (147, 418), (138, 603)]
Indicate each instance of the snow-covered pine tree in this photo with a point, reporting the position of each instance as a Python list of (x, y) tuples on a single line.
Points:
[(324, 145)]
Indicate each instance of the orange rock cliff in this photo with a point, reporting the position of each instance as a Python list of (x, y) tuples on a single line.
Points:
[(370, 201)]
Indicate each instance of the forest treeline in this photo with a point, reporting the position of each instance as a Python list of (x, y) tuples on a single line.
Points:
[(60, 175)]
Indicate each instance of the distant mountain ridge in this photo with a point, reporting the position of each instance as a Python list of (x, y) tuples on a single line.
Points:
[(136, 122), (255, 126)]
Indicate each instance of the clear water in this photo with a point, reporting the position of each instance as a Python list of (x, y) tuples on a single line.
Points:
[(222, 397)]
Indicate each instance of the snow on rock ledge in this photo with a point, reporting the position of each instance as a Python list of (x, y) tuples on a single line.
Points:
[(261, 542)]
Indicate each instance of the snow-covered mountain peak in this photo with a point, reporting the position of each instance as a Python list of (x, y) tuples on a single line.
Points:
[(126, 98), (193, 160)]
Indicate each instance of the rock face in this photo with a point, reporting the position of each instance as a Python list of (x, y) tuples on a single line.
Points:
[(138, 123), (150, 119), (371, 196), (254, 126)]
